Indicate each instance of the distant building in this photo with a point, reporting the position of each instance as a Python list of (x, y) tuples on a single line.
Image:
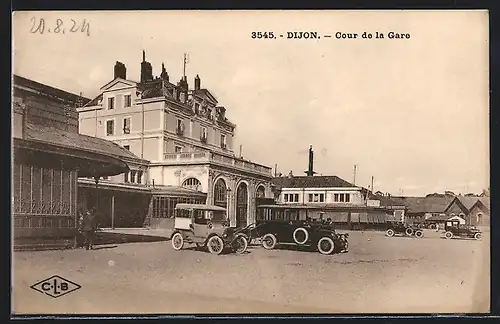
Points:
[(185, 135), (473, 210), (431, 208)]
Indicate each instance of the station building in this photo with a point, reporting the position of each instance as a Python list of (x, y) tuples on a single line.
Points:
[(184, 134)]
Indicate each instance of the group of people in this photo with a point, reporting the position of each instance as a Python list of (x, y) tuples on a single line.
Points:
[(87, 226)]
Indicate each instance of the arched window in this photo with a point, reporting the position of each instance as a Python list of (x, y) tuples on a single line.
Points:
[(220, 193), (479, 218), (192, 183), (261, 192)]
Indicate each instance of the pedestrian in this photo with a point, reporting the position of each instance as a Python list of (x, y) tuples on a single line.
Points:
[(89, 226)]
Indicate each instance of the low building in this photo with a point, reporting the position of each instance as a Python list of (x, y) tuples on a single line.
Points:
[(429, 209), (49, 156), (347, 205)]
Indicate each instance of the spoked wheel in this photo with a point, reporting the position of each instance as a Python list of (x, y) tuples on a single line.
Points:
[(326, 245), (215, 245), (177, 241), (390, 232), (478, 236), (240, 244), (269, 241), (409, 231), (419, 234), (448, 235)]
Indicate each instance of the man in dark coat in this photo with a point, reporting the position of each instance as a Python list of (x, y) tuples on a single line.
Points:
[(88, 228)]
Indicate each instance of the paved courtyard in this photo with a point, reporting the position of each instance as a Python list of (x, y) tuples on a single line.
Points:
[(379, 274)]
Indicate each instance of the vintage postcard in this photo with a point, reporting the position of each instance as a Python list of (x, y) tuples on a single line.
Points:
[(250, 162)]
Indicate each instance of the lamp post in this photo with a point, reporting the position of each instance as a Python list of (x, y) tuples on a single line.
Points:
[(139, 94), (228, 192)]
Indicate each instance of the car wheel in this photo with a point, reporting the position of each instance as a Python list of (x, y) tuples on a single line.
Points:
[(419, 234), (177, 241), (240, 244), (300, 235), (409, 231), (390, 232), (269, 241), (326, 245), (448, 235), (215, 245), (477, 236)]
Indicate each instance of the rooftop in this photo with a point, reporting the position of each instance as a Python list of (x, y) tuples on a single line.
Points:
[(311, 182), (51, 135)]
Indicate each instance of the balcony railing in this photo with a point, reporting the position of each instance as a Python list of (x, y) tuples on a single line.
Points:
[(197, 157)]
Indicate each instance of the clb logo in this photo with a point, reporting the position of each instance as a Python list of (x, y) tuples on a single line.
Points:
[(55, 286)]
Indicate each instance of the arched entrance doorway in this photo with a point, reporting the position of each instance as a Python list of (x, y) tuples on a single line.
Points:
[(220, 193), (261, 192), (241, 205)]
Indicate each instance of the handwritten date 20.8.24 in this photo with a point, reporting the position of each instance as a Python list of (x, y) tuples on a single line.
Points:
[(59, 26)]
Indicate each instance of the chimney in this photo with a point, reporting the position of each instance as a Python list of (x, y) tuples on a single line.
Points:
[(164, 74), (197, 83), (120, 70), (146, 69), (310, 171)]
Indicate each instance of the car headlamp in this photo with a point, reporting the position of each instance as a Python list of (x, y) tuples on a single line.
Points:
[(224, 235)]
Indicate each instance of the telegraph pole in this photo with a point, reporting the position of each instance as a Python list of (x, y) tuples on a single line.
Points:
[(372, 183), (354, 177)]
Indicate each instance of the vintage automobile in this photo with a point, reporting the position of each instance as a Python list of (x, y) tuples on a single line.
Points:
[(454, 228), (250, 232), (279, 228), (206, 226), (400, 228)]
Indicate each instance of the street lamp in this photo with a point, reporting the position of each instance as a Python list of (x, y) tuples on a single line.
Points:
[(139, 94), (228, 191)]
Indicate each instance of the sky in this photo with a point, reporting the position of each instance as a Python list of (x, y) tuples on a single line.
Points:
[(413, 113)]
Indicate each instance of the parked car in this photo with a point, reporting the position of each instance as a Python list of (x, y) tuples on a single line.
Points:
[(400, 228), (326, 241), (454, 228), (206, 226)]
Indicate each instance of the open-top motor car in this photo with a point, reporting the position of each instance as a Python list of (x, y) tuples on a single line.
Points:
[(206, 226)]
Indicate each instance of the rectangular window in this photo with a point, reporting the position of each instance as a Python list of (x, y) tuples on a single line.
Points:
[(321, 197), (127, 147), (126, 125), (110, 127), (347, 197), (223, 143), (127, 101), (310, 198), (178, 149), (139, 176), (316, 198), (203, 134), (132, 176), (342, 196), (336, 197), (111, 103), (125, 177), (285, 197)]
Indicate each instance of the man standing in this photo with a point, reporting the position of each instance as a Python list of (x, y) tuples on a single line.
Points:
[(88, 228)]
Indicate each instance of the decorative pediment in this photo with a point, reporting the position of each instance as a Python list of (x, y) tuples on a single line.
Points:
[(118, 83)]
